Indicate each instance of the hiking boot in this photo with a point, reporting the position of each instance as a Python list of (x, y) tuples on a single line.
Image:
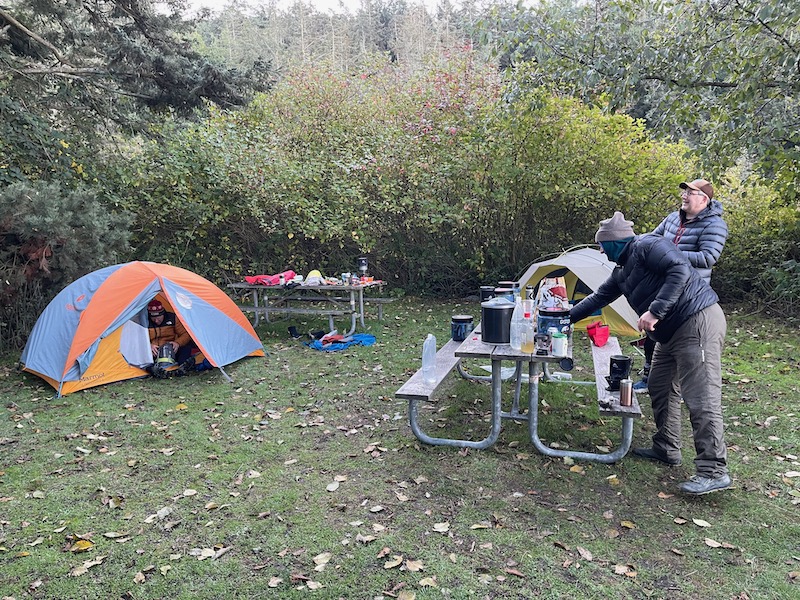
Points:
[(699, 485), (293, 332), (640, 387), (653, 454)]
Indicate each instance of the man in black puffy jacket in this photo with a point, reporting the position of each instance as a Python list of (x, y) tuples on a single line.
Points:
[(699, 232), (679, 310)]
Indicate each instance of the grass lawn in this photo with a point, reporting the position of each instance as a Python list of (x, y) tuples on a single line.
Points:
[(302, 479)]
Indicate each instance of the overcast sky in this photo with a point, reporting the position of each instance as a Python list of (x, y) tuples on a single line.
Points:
[(321, 5)]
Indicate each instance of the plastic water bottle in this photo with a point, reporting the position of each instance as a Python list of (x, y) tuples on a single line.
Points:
[(517, 324), (429, 359), (528, 329)]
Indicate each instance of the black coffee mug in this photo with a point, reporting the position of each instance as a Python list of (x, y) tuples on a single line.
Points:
[(620, 367)]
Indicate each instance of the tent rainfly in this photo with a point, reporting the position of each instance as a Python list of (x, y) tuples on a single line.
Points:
[(95, 330), (584, 270)]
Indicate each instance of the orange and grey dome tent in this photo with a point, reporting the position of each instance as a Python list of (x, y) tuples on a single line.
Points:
[(95, 330)]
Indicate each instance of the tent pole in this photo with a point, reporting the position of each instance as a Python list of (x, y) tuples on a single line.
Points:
[(221, 370)]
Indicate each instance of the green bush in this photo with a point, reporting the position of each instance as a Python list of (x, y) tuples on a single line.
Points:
[(759, 260), (437, 177), (50, 236)]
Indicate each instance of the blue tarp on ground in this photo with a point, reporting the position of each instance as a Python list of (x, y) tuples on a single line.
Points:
[(360, 339)]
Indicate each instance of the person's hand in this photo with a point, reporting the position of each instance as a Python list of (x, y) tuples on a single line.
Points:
[(175, 346), (154, 349), (647, 322)]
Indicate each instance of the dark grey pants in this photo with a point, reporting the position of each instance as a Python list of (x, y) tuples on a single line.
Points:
[(692, 358)]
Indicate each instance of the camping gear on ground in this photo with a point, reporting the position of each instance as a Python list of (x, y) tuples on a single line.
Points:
[(496, 320), (460, 326), (487, 292), (583, 271), (619, 369), (598, 332), (166, 356), (95, 330), (345, 341)]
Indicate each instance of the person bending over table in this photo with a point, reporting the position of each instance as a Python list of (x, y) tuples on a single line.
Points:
[(680, 311)]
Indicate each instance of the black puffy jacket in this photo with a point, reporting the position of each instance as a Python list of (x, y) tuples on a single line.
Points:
[(701, 240), (653, 275)]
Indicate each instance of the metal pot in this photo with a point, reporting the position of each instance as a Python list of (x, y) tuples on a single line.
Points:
[(496, 321)]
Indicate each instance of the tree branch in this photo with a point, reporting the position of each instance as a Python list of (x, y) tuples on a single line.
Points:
[(11, 20)]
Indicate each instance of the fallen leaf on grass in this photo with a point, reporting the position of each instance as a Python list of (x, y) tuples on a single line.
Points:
[(365, 539), (585, 554), (87, 564), (139, 577), (481, 525), (415, 565), (332, 487), (407, 595), (664, 495), (626, 570), (612, 533), (428, 582), (37, 541), (443, 527), (678, 552), (515, 572), (393, 562), (274, 582), (321, 560), (114, 534), (577, 469), (165, 569), (628, 524), (376, 508), (679, 521), (701, 523), (81, 546), (189, 492)]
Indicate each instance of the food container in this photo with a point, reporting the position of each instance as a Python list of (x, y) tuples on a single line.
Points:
[(559, 344), (496, 321), (487, 292), (460, 326), (553, 317), (504, 292)]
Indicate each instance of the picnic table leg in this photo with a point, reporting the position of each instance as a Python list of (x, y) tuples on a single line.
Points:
[(361, 305), (533, 428), (255, 304), (413, 419)]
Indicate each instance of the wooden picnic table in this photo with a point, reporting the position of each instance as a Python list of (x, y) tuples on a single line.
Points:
[(326, 300)]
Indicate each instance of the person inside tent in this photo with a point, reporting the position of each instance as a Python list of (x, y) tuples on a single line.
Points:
[(166, 330)]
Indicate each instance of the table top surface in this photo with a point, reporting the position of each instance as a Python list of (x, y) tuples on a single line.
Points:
[(326, 286), (474, 347)]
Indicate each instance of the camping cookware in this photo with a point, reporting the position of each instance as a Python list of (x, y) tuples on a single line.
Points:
[(460, 326), (496, 321)]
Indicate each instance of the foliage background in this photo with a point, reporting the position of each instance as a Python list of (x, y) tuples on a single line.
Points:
[(452, 148)]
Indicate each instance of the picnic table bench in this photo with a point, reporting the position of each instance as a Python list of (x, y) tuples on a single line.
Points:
[(416, 389)]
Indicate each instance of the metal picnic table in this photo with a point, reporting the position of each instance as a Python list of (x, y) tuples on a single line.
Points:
[(327, 300)]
